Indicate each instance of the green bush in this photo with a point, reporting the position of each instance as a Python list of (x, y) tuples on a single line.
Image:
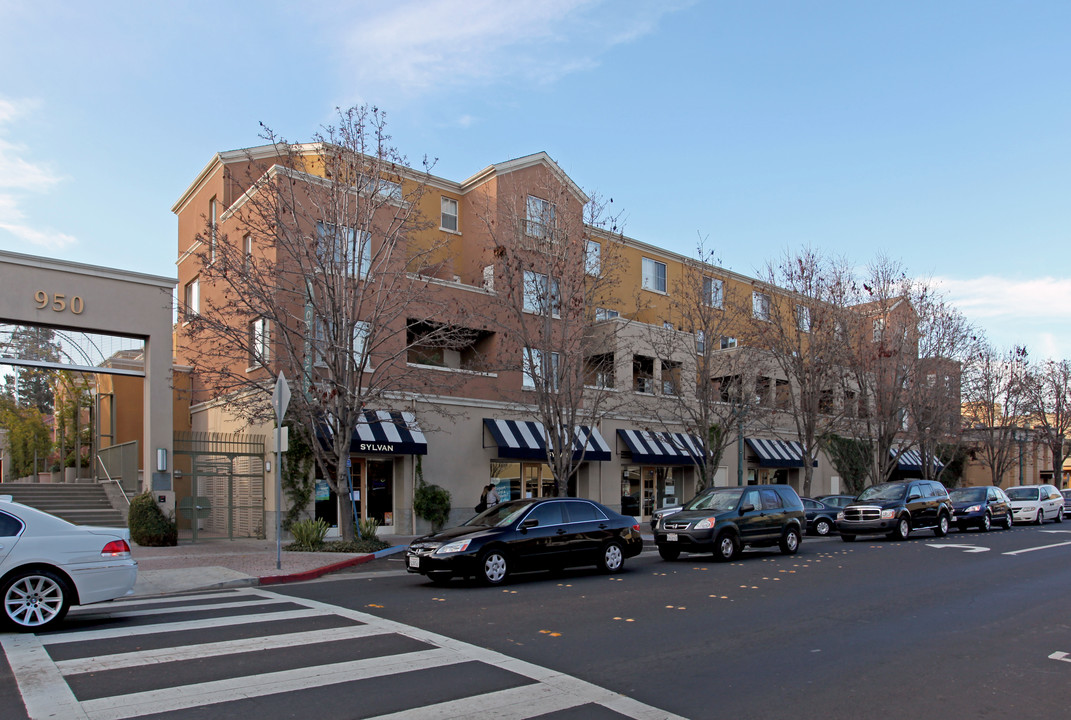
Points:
[(432, 503), (367, 529), (149, 527), (308, 533)]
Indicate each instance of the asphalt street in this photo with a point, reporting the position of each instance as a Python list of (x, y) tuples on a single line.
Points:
[(969, 624)]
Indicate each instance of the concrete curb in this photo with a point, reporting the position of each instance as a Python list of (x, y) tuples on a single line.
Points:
[(326, 569)]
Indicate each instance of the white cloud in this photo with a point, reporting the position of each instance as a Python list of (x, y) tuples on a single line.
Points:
[(19, 176), (417, 45)]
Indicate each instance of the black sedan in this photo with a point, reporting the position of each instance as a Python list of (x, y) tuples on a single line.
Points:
[(981, 507), (821, 518), (521, 535)]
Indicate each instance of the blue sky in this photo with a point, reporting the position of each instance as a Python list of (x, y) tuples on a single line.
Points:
[(937, 132)]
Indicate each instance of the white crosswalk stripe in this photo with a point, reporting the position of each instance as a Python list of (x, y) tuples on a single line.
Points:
[(50, 687)]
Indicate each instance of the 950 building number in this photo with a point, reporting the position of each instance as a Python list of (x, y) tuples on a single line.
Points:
[(58, 302)]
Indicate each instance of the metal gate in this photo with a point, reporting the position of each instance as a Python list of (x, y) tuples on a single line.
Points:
[(219, 485)]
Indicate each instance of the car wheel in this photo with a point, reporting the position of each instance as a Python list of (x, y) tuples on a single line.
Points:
[(493, 567), (35, 600), (1060, 516), (903, 528), (726, 547), (668, 553), (612, 558), (790, 541), (440, 577), (1040, 519), (1009, 520), (987, 523), (942, 526), (822, 527), (847, 538)]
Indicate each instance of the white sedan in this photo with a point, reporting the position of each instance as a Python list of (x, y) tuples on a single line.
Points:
[(48, 564), (1036, 503)]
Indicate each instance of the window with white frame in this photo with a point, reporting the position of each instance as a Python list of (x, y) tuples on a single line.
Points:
[(212, 220), (191, 299), (713, 292), (361, 348), (259, 342), (592, 260), (602, 313), (760, 305), (541, 294), (879, 328), (338, 250), (654, 275), (388, 189), (448, 217), (540, 368), (701, 342), (803, 318), (727, 342), (540, 217), (247, 252), (359, 343)]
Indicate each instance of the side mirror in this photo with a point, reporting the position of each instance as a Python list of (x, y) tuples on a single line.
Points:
[(529, 523), (747, 508), (913, 496)]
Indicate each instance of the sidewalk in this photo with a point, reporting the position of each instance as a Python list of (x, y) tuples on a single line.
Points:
[(218, 562)]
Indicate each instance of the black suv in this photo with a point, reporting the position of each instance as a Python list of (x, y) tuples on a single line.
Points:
[(896, 509), (725, 520)]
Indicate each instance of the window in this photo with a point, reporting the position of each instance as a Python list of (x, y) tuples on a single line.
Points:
[(388, 189), (592, 263), (540, 221), (727, 342), (10, 526), (667, 325), (803, 318), (541, 294), (448, 219), (713, 292), (191, 299), (760, 306), (247, 252), (362, 333), (259, 342), (583, 512), (546, 514), (538, 368), (212, 226), (359, 343), (879, 329), (599, 371), (605, 314), (338, 250), (654, 275), (700, 343)]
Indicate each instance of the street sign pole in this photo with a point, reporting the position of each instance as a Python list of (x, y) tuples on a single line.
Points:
[(280, 399)]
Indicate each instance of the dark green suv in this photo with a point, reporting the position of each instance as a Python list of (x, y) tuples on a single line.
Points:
[(725, 520)]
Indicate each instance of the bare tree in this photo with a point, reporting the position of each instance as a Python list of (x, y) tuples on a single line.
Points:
[(995, 404), (1048, 389), (323, 273), (805, 329), (714, 387), (556, 264)]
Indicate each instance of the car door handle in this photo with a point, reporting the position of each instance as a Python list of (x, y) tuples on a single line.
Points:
[(561, 531), (602, 526)]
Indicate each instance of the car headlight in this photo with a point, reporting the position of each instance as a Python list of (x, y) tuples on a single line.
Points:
[(706, 523), (888, 514), (840, 515), (453, 547), (974, 508)]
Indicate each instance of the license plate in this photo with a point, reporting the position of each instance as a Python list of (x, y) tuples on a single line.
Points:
[(671, 537), (414, 561)]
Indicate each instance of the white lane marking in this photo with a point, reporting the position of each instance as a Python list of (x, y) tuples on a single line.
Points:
[(213, 649), (1040, 547), (192, 608), (119, 707), (208, 623), (1066, 657), (964, 548), (44, 691), (511, 704), (123, 603)]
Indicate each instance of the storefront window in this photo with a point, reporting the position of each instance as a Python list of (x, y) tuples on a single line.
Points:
[(515, 480), (645, 489)]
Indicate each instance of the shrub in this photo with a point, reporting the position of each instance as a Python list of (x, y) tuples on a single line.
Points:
[(367, 529), (432, 503), (149, 527), (308, 533)]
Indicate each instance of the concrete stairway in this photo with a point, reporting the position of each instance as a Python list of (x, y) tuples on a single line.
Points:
[(78, 503)]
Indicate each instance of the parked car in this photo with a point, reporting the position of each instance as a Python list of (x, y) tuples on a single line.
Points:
[(529, 534), (1067, 501), (821, 518), (47, 565), (725, 520), (896, 509), (836, 500), (1036, 503), (980, 507), (660, 513)]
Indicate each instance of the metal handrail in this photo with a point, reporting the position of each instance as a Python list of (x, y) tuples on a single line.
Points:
[(111, 479)]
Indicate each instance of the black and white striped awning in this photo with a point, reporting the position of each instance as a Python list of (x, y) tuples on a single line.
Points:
[(911, 461), (527, 440), (661, 448), (777, 453), (381, 432)]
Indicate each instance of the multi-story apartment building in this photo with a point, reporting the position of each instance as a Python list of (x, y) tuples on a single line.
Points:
[(505, 261)]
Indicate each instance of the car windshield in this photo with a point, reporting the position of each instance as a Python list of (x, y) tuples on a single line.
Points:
[(715, 500), (501, 514), (974, 494), (1023, 493), (887, 491)]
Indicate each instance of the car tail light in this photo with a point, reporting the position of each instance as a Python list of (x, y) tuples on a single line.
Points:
[(636, 527), (116, 548)]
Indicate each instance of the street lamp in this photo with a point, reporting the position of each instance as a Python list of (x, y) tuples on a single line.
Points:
[(1019, 435)]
